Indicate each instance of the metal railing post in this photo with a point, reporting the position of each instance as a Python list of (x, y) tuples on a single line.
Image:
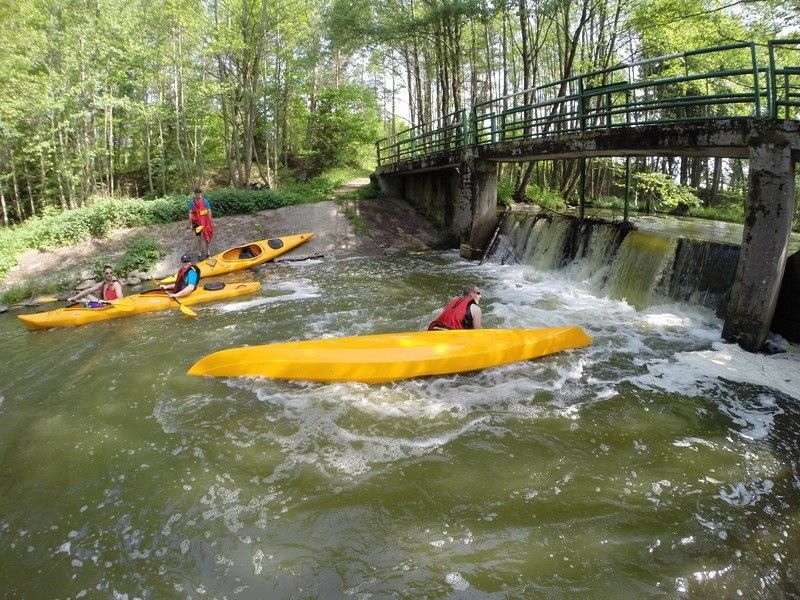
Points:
[(772, 97), (756, 87), (627, 188)]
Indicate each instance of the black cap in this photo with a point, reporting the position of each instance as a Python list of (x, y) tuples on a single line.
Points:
[(186, 258)]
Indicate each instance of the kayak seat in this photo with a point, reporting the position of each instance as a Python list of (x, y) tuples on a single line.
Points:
[(249, 252)]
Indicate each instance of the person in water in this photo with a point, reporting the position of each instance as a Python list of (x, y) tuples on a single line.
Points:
[(202, 225), (107, 290), (462, 312), (186, 279)]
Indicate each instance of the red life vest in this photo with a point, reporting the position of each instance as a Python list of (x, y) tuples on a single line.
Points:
[(456, 315), (200, 214), (108, 292), (180, 277)]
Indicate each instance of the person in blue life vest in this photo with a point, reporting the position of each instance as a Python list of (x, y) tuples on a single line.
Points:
[(186, 279), (462, 312)]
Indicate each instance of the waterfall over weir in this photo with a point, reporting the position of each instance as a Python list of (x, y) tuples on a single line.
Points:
[(641, 267)]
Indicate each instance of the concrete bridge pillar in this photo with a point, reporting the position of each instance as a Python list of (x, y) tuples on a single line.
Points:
[(459, 197), (475, 214), (768, 220), (391, 185)]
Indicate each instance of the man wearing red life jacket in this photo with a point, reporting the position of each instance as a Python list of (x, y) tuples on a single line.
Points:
[(109, 289), (202, 225), (186, 279), (461, 312)]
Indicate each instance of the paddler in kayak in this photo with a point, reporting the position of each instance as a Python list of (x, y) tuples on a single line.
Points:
[(202, 225), (462, 312), (185, 279), (107, 290)]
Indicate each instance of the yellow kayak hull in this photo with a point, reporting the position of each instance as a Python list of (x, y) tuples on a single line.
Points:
[(391, 356), (247, 255), (72, 316)]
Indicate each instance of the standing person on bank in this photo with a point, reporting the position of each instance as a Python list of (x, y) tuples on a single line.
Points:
[(186, 279), (462, 312), (109, 289), (203, 226)]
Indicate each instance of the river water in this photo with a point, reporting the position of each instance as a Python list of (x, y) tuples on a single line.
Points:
[(658, 462)]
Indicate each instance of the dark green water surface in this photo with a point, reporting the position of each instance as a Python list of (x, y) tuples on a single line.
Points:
[(658, 462)]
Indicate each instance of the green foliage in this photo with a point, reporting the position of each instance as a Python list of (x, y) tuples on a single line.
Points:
[(141, 252), (661, 191), (726, 212), (545, 197), (344, 127), (612, 202), (31, 289), (505, 191)]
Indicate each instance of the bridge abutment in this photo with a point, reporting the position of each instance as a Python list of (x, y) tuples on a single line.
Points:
[(768, 221), (459, 198), (476, 206)]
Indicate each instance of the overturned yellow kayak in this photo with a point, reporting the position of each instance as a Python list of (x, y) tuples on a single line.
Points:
[(390, 356), (248, 255), (72, 316)]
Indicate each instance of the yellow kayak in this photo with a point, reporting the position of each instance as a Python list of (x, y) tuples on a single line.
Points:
[(72, 316), (246, 256), (390, 356)]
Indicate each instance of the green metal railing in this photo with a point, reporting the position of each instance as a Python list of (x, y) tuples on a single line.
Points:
[(712, 83), (784, 73), (446, 134)]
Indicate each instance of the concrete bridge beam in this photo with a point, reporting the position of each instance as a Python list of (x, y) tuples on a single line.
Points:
[(768, 220)]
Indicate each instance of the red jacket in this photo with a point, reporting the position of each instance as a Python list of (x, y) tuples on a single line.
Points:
[(456, 315), (200, 214)]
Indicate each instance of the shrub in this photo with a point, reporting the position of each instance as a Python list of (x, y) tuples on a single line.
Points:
[(142, 251), (661, 191), (30, 289), (545, 197), (505, 191)]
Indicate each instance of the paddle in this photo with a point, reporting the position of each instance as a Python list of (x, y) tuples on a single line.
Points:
[(43, 299), (184, 309)]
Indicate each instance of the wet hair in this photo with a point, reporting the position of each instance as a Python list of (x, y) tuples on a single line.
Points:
[(468, 289), (198, 190), (108, 267)]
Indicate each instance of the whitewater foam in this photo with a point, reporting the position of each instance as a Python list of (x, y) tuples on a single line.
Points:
[(687, 373)]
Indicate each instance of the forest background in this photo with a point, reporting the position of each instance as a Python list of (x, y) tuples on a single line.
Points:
[(102, 99)]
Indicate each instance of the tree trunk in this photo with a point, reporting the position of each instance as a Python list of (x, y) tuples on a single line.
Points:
[(17, 196), (713, 188), (3, 205)]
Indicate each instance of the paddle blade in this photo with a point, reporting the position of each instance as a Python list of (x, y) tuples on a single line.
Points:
[(186, 310), (42, 299)]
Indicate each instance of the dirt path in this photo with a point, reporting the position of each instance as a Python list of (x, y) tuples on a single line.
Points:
[(392, 226)]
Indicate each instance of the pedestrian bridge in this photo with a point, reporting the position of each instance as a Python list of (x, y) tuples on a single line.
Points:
[(735, 101)]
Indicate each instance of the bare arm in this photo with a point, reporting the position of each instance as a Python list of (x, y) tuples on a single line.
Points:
[(85, 292), (184, 292), (476, 316)]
